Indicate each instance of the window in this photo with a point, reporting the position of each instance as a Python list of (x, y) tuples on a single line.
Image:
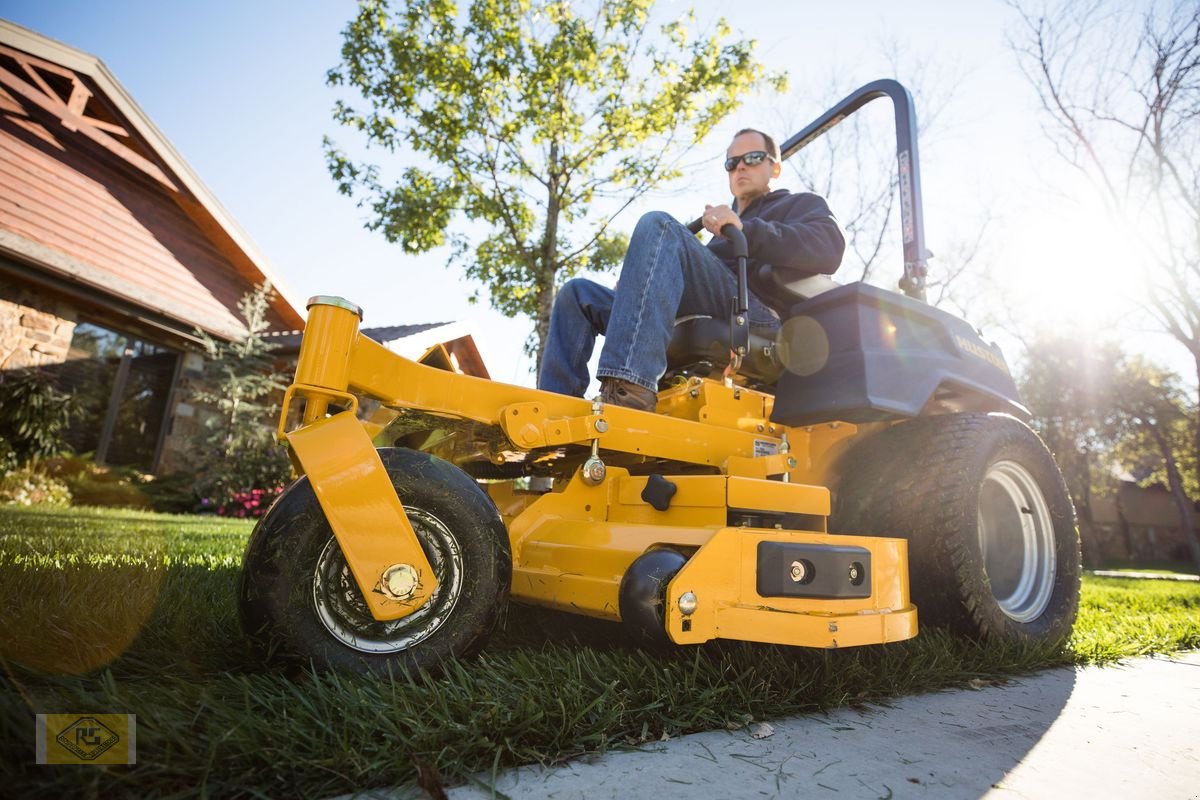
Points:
[(123, 385)]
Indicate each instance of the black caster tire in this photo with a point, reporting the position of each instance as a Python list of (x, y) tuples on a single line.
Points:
[(642, 596), (299, 603)]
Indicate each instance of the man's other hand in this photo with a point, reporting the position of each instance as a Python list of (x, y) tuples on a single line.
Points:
[(717, 217)]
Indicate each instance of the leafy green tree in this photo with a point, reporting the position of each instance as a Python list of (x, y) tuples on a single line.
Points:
[(1101, 410), (1156, 428), (238, 452), (519, 115)]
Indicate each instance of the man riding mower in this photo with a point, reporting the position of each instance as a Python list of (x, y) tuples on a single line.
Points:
[(780, 490)]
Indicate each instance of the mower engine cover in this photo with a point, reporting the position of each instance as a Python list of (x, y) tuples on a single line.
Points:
[(859, 353)]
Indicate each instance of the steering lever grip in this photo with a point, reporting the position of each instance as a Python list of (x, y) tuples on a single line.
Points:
[(731, 232), (739, 320)]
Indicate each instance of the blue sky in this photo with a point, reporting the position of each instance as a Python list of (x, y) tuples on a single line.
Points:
[(238, 88)]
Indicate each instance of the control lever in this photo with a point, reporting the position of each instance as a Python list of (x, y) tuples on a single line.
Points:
[(739, 320)]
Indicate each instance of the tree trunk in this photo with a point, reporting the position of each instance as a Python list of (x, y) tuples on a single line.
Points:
[(1182, 504), (1089, 541), (545, 303), (1127, 532), (1092, 556), (1196, 421), (548, 256)]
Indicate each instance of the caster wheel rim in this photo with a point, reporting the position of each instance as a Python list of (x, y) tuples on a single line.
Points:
[(1016, 538), (341, 609)]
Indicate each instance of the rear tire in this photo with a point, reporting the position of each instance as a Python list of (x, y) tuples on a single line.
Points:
[(299, 602), (993, 549)]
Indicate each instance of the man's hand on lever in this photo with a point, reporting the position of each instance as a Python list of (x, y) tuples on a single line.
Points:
[(717, 217)]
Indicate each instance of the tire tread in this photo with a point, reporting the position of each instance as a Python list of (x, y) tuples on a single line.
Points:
[(914, 480)]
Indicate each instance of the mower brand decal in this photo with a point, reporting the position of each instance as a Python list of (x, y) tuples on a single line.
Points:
[(763, 447), (979, 351), (85, 739), (907, 225)]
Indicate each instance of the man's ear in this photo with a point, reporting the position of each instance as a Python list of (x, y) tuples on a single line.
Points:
[(776, 168)]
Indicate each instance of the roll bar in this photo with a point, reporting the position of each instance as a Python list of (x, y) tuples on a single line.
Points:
[(912, 216)]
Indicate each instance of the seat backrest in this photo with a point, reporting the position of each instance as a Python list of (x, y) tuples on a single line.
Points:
[(782, 289)]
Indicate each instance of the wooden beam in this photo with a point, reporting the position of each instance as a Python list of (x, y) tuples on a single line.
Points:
[(77, 103), (30, 71), (54, 105), (79, 96), (38, 63), (106, 126), (9, 105)]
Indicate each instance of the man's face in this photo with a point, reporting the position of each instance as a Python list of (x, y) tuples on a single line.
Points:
[(746, 182)]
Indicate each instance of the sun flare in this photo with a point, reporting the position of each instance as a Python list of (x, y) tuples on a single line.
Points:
[(1080, 267)]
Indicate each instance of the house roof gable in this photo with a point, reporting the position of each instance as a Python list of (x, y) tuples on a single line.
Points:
[(141, 145)]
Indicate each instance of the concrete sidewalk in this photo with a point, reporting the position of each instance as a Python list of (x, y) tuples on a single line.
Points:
[(1129, 731), (1142, 576)]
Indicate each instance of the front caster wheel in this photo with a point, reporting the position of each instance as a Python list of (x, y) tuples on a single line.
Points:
[(299, 601), (642, 596)]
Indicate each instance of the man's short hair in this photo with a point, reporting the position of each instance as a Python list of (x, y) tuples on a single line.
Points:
[(772, 148)]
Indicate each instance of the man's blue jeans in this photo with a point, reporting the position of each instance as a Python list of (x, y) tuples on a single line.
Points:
[(667, 274)]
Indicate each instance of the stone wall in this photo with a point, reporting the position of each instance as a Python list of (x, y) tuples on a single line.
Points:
[(34, 330)]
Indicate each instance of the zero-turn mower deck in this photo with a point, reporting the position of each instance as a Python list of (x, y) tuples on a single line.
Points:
[(760, 564), (731, 512)]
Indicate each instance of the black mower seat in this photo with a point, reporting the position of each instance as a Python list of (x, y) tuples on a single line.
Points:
[(700, 344)]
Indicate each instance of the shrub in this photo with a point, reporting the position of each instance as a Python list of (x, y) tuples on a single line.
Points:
[(93, 485), (172, 494), (244, 505), (9, 460), (31, 484), (34, 417)]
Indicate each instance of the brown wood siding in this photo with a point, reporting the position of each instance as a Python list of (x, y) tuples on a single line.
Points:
[(69, 200)]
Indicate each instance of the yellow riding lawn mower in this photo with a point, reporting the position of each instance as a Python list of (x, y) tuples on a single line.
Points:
[(814, 488)]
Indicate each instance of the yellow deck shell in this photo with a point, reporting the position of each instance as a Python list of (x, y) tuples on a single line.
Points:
[(571, 546)]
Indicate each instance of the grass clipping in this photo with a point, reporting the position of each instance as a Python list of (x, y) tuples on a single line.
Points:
[(128, 612)]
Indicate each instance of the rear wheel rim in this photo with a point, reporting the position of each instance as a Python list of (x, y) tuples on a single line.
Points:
[(343, 611), (1016, 538)]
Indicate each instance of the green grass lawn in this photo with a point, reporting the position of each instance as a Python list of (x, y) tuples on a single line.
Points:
[(129, 612)]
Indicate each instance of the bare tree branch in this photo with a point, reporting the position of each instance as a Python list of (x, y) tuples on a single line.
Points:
[(1144, 115)]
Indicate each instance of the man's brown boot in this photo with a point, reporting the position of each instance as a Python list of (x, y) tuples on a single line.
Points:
[(617, 392)]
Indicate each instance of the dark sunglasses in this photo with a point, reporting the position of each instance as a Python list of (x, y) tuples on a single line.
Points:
[(752, 159)]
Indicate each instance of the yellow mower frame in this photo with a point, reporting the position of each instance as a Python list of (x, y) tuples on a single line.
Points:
[(411, 526), (571, 547)]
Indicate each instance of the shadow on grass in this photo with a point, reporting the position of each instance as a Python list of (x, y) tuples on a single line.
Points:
[(75, 618), (77, 515), (959, 744), (162, 641)]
